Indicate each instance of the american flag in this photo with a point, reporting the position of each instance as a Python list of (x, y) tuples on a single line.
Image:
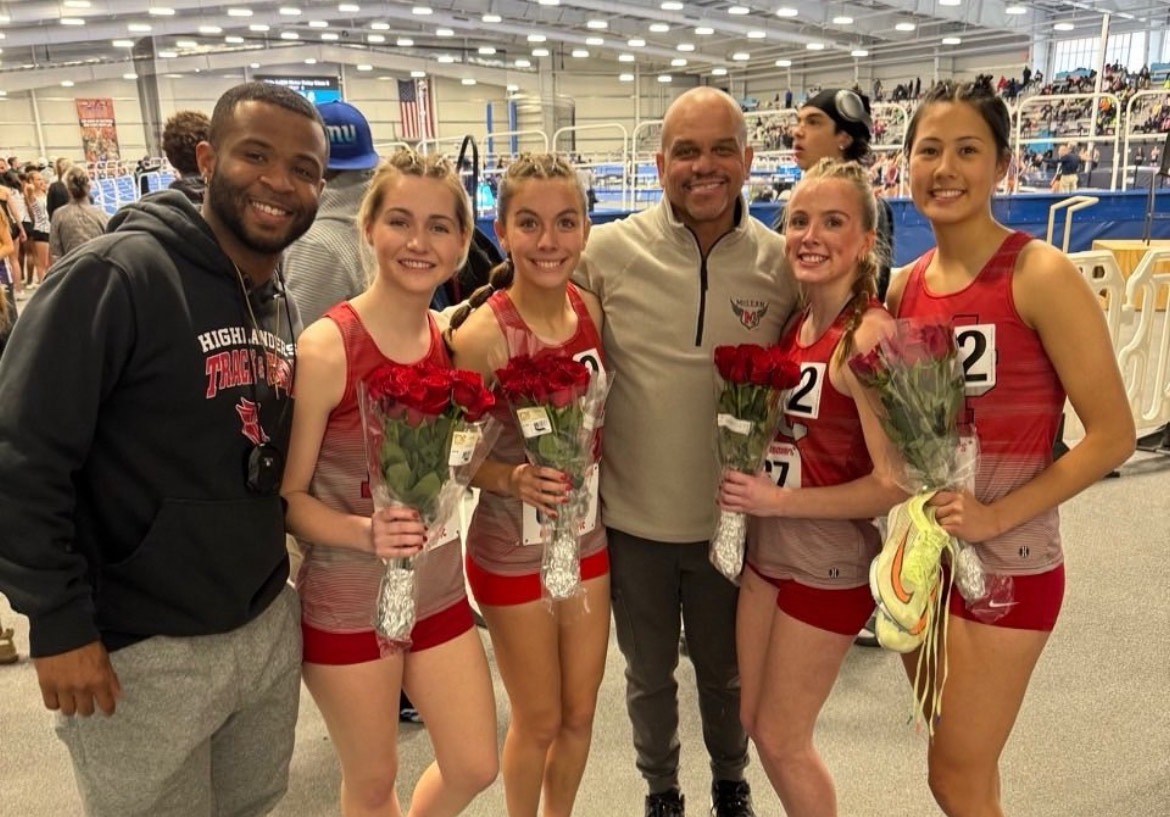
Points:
[(414, 106)]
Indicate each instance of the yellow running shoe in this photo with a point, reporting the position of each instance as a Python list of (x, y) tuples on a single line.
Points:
[(906, 573)]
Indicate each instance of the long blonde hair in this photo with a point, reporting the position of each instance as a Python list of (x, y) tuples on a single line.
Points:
[(865, 282)]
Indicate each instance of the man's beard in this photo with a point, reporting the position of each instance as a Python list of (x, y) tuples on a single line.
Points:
[(229, 203)]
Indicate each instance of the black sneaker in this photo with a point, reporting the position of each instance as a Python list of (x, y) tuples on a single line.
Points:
[(665, 804), (731, 798)]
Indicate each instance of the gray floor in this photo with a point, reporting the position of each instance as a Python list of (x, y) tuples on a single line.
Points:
[(1093, 739)]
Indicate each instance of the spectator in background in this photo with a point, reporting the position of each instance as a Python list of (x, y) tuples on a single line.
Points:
[(58, 196), (1068, 166), (324, 267), (181, 134), (78, 221)]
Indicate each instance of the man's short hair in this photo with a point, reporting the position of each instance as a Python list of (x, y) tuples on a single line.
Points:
[(181, 134), (267, 92)]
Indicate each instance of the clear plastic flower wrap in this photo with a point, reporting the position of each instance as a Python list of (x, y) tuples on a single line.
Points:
[(750, 386), (559, 405), (426, 436), (917, 379)]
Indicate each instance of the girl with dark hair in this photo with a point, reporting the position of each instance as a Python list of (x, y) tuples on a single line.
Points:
[(804, 592), (1030, 331), (551, 655), (416, 223), (78, 221)]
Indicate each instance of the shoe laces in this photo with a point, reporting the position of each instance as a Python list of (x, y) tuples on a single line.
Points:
[(930, 674)]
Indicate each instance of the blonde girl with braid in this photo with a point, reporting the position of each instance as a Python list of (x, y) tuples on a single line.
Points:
[(415, 224), (830, 471), (551, 655)]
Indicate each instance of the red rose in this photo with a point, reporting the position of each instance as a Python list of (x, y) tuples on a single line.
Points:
[(785, 374), (469, 393), (868, 367), (724, 360)]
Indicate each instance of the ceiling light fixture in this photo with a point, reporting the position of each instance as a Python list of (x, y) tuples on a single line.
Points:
[(540, 52), (1064, 27), (636, 42), (597, 25), (627, 58), (130, 76), (376, 39), (161, 11), (685, 47), (595, 41), (756, 34), (719, 71), (486, 50), (404, 42), (233, 40), (444, 32), (77, 4), (260, 27), (843, 20), (741, 56), (123, 43), (678, 62), (671, 5), (72, 21), (659, 28), (704, 31), (950, 2), (859, 52), (329, 36), (1015, 9), (786, 11), (380, 26), (468, 80), (289, 35), (783, 63), (815, 46), (318, 24), (580, 54), (492, 18), (907, 26), (290, 11), (446, 59), (168, 55), (238, 12), (310, 60), (209, 30), (418, 74), (537, 38), (952, 40), (139, 28), (665, 78), (523, 62), (739, 11), (186, 44), (66, 83), (422, 11), (625, 77), (349, 8), (365, 66)]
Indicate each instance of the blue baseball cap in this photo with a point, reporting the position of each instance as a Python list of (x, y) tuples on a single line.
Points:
[(351, 145)]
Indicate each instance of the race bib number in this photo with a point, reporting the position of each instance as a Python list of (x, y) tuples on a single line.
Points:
[(977, 351), (782, 464), (592, 359), (530, 533), (805, 398)]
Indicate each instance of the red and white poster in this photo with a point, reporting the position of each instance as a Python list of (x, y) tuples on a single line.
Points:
[(99, 131)]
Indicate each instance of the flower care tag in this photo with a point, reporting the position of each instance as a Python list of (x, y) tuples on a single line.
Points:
[(449, 532), (734, 424), (462, 447), (534, 421), (966, 460)]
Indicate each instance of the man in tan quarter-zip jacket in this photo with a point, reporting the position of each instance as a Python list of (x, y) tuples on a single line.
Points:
[(675, 281)]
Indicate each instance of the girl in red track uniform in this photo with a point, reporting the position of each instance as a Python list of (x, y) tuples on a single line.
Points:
[(417, 222), (551, 657), (805, 592), (1030, 331)]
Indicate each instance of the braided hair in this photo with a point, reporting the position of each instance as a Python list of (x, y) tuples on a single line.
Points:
[(542, 166), (865, 281)]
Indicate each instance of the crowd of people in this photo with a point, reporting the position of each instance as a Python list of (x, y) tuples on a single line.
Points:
[(151, 480)]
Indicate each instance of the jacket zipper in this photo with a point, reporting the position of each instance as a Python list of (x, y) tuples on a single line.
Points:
[(703, 283)]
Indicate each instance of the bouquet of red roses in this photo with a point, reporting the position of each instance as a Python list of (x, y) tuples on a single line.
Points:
[(751, 386), (918, 380), (426, 435), (558, 403)]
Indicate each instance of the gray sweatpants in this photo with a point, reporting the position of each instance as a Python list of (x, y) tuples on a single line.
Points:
[(650, 582), (204, 726)]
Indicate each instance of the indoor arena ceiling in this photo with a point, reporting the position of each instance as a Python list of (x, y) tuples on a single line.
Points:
[(45, 42)]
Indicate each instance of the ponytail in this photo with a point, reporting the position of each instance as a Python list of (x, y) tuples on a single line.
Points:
[(499, 279)]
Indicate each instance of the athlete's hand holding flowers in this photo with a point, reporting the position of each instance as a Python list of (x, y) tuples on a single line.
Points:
[(751, 386), (424, 440), (558, 403)]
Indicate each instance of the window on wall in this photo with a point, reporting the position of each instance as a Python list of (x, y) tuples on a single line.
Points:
[(1127, 49), (1073, 54)]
